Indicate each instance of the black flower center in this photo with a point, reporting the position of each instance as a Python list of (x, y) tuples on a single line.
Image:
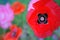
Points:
[(13, 34), (42, 18)]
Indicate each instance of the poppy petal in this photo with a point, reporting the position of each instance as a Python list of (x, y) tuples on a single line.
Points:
[(18, 7), (45, 29), (14, 34)]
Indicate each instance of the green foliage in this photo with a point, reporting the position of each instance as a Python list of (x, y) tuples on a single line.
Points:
[(58, 2), (1, 31)]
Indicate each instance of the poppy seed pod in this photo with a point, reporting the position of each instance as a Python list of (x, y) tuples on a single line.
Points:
[(44, 18)]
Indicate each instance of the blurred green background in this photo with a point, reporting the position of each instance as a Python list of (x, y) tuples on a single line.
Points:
[(20, 20)]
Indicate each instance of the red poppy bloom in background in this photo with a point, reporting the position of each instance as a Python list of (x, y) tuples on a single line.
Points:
[(44, 18), (18, 7), (14, 34)]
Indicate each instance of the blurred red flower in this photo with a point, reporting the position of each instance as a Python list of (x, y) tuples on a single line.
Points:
[(44, 18), (18, 7), (14, 34)]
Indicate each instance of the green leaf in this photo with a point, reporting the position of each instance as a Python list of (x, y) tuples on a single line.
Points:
[(1, 31), (48, 38), (58, 2)]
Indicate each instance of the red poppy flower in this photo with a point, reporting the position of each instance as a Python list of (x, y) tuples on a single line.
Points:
[(44, 18), (18, 7), (14, 33)]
